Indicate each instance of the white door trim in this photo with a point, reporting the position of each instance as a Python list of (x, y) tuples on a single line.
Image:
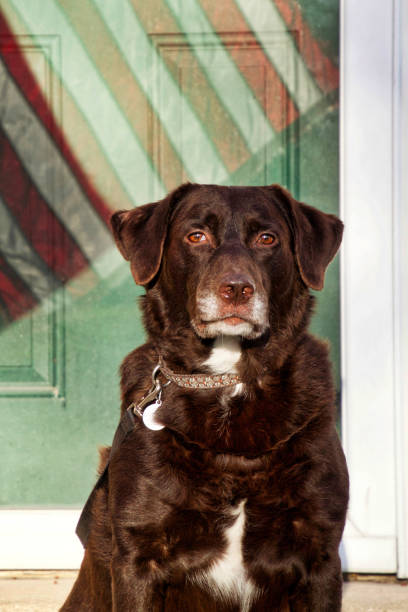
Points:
[(373, 289), (39, 539), (401, 275)]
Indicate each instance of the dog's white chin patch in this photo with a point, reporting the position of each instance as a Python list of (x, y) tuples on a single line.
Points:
[(221, 327), (217, 329)]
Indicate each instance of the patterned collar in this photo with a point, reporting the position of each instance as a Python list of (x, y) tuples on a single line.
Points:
[(199, 381)]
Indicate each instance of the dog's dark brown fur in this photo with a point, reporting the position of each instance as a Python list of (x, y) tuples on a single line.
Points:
[(161, 521)]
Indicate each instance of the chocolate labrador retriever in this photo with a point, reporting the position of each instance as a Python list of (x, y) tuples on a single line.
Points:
[(226, 487)]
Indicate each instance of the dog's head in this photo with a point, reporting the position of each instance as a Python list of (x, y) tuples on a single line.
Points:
[(228, 260)]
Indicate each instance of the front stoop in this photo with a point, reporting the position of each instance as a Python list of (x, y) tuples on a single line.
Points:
[(46, 591)]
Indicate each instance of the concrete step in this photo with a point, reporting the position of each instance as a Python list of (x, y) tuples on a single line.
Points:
[(46, 591)]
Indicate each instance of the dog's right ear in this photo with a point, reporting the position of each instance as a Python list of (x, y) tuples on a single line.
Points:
[(317, 237), (140, 234)]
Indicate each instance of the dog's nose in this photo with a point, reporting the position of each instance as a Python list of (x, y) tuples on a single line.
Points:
[(236, 290)]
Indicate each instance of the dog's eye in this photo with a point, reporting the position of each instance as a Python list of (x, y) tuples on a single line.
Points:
[(266, 239), (196, 237)]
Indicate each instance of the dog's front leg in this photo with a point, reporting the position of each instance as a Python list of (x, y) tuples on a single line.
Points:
[(138, 570), (133, 592), (323, 590)]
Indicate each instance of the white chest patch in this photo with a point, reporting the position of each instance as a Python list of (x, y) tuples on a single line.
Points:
[(227, 578), (224, 357)]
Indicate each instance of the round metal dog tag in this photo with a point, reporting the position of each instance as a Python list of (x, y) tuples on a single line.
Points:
[(149, 417)]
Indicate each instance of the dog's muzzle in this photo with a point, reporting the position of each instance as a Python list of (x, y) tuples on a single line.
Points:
[(233, 308)]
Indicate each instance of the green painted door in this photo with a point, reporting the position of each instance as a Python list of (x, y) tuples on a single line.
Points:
[(107, 105)]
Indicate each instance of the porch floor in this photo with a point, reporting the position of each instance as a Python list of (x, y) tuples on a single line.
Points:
[(46, 591)]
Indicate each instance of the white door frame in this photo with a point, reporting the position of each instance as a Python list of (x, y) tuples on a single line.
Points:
[(401, 276), (373, 288)]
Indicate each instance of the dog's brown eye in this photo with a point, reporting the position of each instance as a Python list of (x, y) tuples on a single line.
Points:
[(197, 237), (266, 239)]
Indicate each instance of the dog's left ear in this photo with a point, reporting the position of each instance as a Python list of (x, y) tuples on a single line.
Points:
[(317, 237), (140, 234)]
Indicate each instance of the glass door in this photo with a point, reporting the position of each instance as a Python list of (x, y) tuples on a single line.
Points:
[(108, 105)]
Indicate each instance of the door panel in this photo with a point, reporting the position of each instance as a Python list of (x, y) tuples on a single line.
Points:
[(238, 126), (109, 105)]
